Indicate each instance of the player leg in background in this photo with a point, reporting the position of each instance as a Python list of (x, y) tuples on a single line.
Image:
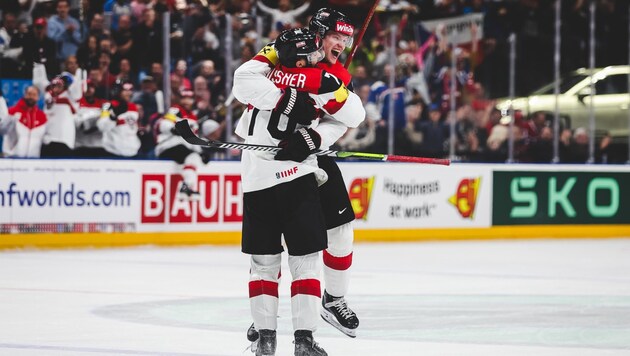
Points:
[(189, 172), (337, 257), (190, 162), (305, 294)]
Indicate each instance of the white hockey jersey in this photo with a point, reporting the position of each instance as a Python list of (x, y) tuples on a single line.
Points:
[(120, 136), (260, 125), (165, 137)]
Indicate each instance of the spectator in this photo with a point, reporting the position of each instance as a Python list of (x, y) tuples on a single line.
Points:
[(107, 78), (180, 74), (157, 72), (39, 48), (119, 123), (213, 78), (124, 72), (65, 31), (434, 133), (146, 98), (579, 146), (147, 41), (88, 52), (106, 45), (96, 26), (10, 50), (123, 36), (541, 146), (23, 126), (89, 140), (284, 16)]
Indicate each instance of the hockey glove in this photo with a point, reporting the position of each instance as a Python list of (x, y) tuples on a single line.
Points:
[(299, 145), (108, 112), (298, 106), (121, 108)]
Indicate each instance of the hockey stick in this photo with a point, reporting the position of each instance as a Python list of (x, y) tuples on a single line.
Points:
[(356, 43), (188, 135)]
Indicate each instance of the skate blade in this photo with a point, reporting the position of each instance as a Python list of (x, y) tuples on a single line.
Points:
[(330, 319)]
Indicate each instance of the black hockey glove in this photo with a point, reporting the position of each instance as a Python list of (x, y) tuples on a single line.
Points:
[(121, 108), (299, 145), (174, 131), (298, 106)]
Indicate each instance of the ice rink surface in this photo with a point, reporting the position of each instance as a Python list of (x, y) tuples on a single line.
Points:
[(527, 297)]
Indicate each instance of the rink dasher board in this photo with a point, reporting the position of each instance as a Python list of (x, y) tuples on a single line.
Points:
[(128, 202)]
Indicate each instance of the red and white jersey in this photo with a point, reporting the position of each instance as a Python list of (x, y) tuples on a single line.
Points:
[(88, 135), (61, 113), (23, 128), (259, 83), (120, 136), (166, 138)]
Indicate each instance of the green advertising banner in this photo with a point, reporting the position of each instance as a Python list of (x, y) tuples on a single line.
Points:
[(538, 197)]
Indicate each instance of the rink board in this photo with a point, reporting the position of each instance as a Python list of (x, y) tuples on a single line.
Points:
[(123, 202)]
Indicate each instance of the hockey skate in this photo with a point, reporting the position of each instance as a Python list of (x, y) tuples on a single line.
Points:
[(305, 345), (187, 193), (264, 341), (252, 336), (335, 312)]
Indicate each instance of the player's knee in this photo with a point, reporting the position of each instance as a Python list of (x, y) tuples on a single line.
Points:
[(340, 240), (265, 267), (305, 267), (193, 159)]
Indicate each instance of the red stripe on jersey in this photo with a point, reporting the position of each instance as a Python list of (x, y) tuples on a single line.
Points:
[(189, 166), (306, 286), (120, 122), (66, 101), (261, 287), (332, 106), (337, 263)]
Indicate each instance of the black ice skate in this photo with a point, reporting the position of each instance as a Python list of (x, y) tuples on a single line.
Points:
[(305, 345), (337, 314), (252, 336), (266, 344), (187, 193)]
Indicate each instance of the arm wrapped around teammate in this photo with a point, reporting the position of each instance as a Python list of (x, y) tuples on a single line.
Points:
[(298, 106), (299, 145)]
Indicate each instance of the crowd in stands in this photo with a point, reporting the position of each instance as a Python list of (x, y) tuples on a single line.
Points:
[(85, 55)]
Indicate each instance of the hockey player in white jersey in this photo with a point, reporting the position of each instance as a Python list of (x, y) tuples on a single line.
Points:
[(119, 123), (264, 89), (280, 191)]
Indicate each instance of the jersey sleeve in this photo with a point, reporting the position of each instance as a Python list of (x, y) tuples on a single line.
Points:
[(330, 130), (339, 102), (251, 85)]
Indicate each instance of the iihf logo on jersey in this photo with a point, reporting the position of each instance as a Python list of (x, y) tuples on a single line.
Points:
[(287, 173), (465, 198)]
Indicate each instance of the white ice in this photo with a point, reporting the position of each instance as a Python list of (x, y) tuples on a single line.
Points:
[(528, 297)]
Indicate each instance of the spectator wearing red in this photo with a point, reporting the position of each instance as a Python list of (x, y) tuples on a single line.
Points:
[(23, 126)]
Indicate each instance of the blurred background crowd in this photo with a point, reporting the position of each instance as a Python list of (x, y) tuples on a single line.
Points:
[(100, 51)]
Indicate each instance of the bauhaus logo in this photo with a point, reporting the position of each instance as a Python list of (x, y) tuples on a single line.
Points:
[(221, 200)]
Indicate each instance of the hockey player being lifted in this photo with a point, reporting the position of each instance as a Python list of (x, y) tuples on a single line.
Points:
[(262, 91), (171, 146), (281, 195)]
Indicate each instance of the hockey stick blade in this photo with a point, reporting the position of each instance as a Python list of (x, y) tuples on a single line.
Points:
[(185, 131)]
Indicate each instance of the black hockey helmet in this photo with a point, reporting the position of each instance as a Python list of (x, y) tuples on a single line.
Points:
[(121, 85), (299, 43), (327, 19)]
